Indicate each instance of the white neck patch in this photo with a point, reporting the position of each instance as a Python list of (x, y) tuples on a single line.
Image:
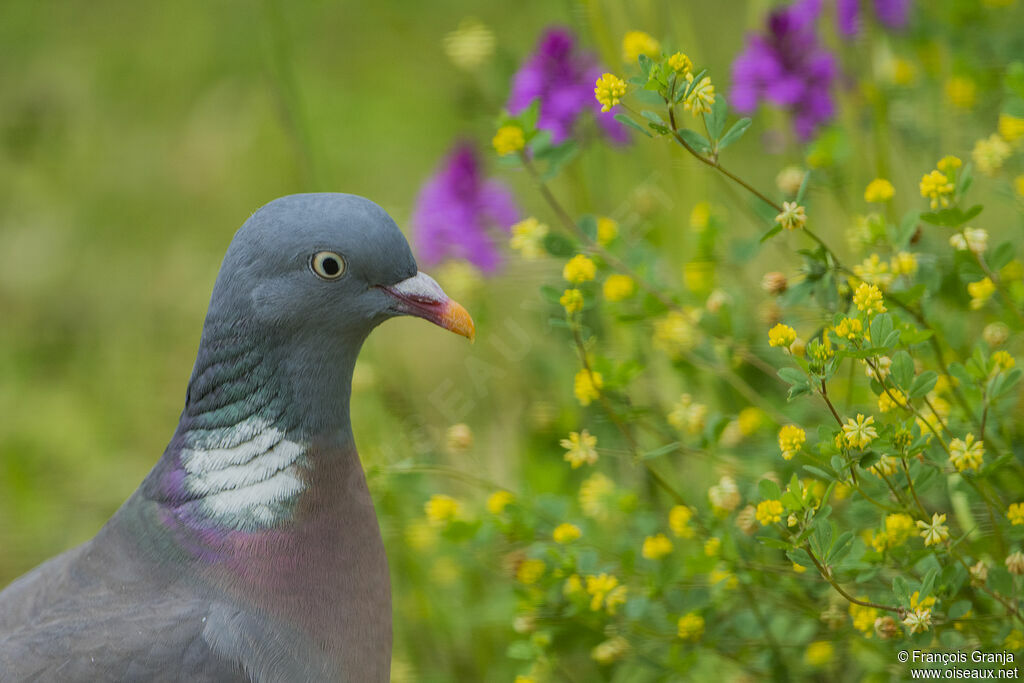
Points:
[(248, 476)]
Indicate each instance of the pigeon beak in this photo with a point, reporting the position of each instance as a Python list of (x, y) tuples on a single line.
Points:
[(422, 297)]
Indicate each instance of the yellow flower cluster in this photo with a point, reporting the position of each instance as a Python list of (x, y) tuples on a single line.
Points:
[(792, 217), (441, 509), (529, 571), (712, 546), (611, 650), (936, 186), (850, 328), (587, 386), (691, 626), (918, 621), (636, 43), (899, 527), (769, 511), (879, 190), (498, 501), (580, 448), (687, 415), (1010, 127), (886, 466), (656, 547), (609, 90), (604, 589), (781, 335), (934, 532), (966, 453), (980, 291), (819, 654), (1015, 513), (859, 433), (579, 269), (528, 238), (886, 402), (701, 97), (675, 333), (990, 153), (961, 92), (508, 140), (725, 495), (1003, 361), (863, 617), (679, 521), (595, 492), (791, 438), (566, 533), (682, 64), (618, 287), (571, 300), (607, 230), (868, 299), (874, 271), (904, 263)]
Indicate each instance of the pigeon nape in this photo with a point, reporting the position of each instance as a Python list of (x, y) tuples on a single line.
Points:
[(251, 551)]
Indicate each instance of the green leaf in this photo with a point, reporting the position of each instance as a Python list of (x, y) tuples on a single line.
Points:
[(771, 233), (927, 584), (901, 590), (774, 542), (559, 245), (791, 502), (645, 64), (716, 121), (769, 490), (818, 472), (841, 548), (1001, 256), (735, 132), (802, 192), (792, 375), (1010, 380), (695, 140), (881, 327), (662, 450), (902, 369), (923, 383), (623, 118)]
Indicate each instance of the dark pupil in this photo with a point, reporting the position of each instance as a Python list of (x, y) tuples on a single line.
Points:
[(330, 266)]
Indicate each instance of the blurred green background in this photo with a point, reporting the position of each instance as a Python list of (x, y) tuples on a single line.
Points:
[(136, 137)]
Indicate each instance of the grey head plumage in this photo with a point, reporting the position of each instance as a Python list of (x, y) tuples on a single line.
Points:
[(251, 551)]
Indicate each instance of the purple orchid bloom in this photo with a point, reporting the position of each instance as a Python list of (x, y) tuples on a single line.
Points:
[(562, 77), (893, 14), (457, 210), (788, 67)]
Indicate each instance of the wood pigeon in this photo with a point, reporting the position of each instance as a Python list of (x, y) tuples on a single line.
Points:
[(251, 551)]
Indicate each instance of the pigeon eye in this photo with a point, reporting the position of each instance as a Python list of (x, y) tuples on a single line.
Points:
[(328, 265)]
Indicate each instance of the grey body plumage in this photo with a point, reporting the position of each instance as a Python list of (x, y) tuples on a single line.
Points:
[(251, 551)]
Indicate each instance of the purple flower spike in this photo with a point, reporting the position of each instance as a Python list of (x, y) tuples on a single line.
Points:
[(457, 210), (788, 67), (562, 78), (892, 13)]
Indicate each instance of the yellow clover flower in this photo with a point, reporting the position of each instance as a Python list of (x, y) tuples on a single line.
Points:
[(935, 185), (682, 64), (595, 494), (769, 511), (904, 263), (879, 190), (1015, 513), (618, 287), (636, 43), (819, 654), (850, 328), (1010, 127), (579, 269), (859, 433), (604, 590), (580, 448), (528, 238), (508, 140), (679, 521), (793, 216), (609, 90), (781, 335), (966, 453), (529, 571), (498, 501), (656, 547), (701, 97), (566, 533), (980, 291), (441, 509), (587, 386), (791, 438), (934, 532), (868, 299), (961, 92), (691, 626), (571, 300), (990, 153)]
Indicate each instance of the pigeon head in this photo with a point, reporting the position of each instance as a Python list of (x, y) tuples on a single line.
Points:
[(330, 265), (304, 282)]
